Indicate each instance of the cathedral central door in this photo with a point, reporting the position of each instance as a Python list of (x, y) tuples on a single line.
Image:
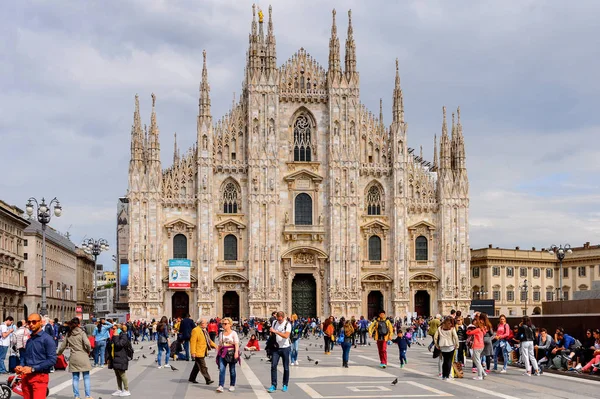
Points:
[(231, 305), (304, 295), (180, 305), (422, 301), (374, 304)]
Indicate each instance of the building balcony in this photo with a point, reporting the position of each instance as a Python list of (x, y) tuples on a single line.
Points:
[(296, 232), (421, 265)]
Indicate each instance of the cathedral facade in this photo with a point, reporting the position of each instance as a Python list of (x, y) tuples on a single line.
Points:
[(298, 199)]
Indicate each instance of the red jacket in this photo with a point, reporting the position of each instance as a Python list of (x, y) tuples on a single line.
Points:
[(478, 337)]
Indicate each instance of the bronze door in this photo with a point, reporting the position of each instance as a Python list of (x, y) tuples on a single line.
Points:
[(231, 305), (374, 304), (180, 305), (422, 300), (304, 296)]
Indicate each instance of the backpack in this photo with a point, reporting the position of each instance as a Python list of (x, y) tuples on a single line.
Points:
[(341, 337), (295, 333), (382, 329)]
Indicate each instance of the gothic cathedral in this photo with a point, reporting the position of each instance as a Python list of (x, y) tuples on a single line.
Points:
[(298, 199)]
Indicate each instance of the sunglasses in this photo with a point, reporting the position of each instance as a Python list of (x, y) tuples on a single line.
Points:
[(33, 321)]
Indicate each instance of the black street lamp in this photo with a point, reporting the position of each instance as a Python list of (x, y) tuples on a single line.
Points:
[(481, 293), (95, 247), (525, 289), (43, 216), (560, 252)]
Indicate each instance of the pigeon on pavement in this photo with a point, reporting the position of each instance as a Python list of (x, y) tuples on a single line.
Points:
[(309, 359), (144, 356), (174, 369), (316, 362), (395, 382)]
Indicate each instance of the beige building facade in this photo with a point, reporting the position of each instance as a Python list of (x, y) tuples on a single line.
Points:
[(12, 261), (85, 281), (500, 274), (300, 199), (61, 271)]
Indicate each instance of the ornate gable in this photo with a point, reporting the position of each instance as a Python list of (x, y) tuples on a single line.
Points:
[(229, 225), (302, 79), (179, 226), (231, 278), (303, 180), (375, 227)]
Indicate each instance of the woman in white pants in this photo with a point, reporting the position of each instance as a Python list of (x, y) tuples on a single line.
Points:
[(527, 336)]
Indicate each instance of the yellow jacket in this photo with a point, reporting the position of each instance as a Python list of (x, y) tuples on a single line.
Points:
[(198, 344), (373, 329)]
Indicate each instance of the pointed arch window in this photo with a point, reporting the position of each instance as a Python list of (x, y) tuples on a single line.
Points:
[(374, 200), (230, 247), (421, 245), (374, 248), (303, 209), (302, 143), (180, 247), (231, 198)]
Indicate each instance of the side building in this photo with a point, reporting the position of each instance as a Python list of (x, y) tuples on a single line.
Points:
[(61, 271), (520, 280), (12, 261), (85, 282), (121, 302)]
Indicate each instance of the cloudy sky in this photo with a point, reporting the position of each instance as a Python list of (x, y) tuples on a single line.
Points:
[(525, 74)]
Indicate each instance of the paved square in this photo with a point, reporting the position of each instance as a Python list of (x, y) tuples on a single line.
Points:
[(404, 389)]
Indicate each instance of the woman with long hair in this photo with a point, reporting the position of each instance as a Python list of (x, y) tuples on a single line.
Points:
[(461, 333), (118, 352), (295, 339), (486, 355), (228, 354), (253, 344), (527, 334), (79, 360), (328, 331), (446, 340), (162, 337), (502, 335), (348, 330), (101, 336)]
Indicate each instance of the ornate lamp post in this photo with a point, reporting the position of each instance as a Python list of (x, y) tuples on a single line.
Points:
[(525, 288), (43, 216), (63, 290), (481, 293), (95, 247), (560, 252)]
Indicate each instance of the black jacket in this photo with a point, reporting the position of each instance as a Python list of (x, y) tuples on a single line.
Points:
[(120, 360), (185, 328)]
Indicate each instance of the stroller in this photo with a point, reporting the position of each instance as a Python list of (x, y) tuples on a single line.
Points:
[(13, 384)]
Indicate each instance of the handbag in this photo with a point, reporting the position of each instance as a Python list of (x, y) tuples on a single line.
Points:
[(162, 339), (230, 356)]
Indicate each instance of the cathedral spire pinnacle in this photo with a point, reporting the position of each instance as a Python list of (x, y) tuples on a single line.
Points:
[(254, 26), (435, 154), (398, 106), (137, 134), (350, 66), (334, 49), (381, 113), (153, 135), (271, 50), (261, 16), (445, 150), (204, 103), (175, 150)]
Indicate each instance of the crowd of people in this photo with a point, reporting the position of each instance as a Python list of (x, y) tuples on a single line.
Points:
[(35, 344)]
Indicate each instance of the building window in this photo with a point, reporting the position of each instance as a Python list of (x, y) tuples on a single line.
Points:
[(303, 209), (523, 272), (180, 247), (510, 272), (536, 296), (510, 295), (496, 271), (549, 273), (374, 248), (421, 248), (25, 255), (549, 295), (523, 296), (374, 200), (566, 295), (475, 272), (231, 198), (497, 312), (496, 294), (302, 143), (230, 247), (24, 243), (536, 272), (581, 271), (511, 312), (566, 272)]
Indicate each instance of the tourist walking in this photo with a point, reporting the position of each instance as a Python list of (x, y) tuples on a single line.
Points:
[(162, 338), (433, 326), (200, 344), (79, 347), (328, 329), (101, 336), (446, 340), (281, 330), (348, 336), (527, 334), (40, 357), (502, 335), (6, 332), (477, 330), (185, 329), (403, 343), (295, 339), (363, 330), (119, 352), (381, 329), (228, 354), (21, 335)]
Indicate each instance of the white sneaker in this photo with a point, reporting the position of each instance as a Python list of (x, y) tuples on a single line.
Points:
[(220, 389), (160, 367), (118, 392), (126, 393), (231, 389), (292, 364), (168, 365), (503, 371), (578, 367)]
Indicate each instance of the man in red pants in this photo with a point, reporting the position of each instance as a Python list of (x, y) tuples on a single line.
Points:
[(382, 330), (40, 357)]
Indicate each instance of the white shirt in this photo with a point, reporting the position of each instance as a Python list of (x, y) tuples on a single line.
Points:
[(5, 341), (229, 339), (285, 326)]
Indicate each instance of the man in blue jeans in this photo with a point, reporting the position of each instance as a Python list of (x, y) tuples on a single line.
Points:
[(281, 330), (6, 330)]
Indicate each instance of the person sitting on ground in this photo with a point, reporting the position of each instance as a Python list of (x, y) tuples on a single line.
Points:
[(252, 344), (177, 350)]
